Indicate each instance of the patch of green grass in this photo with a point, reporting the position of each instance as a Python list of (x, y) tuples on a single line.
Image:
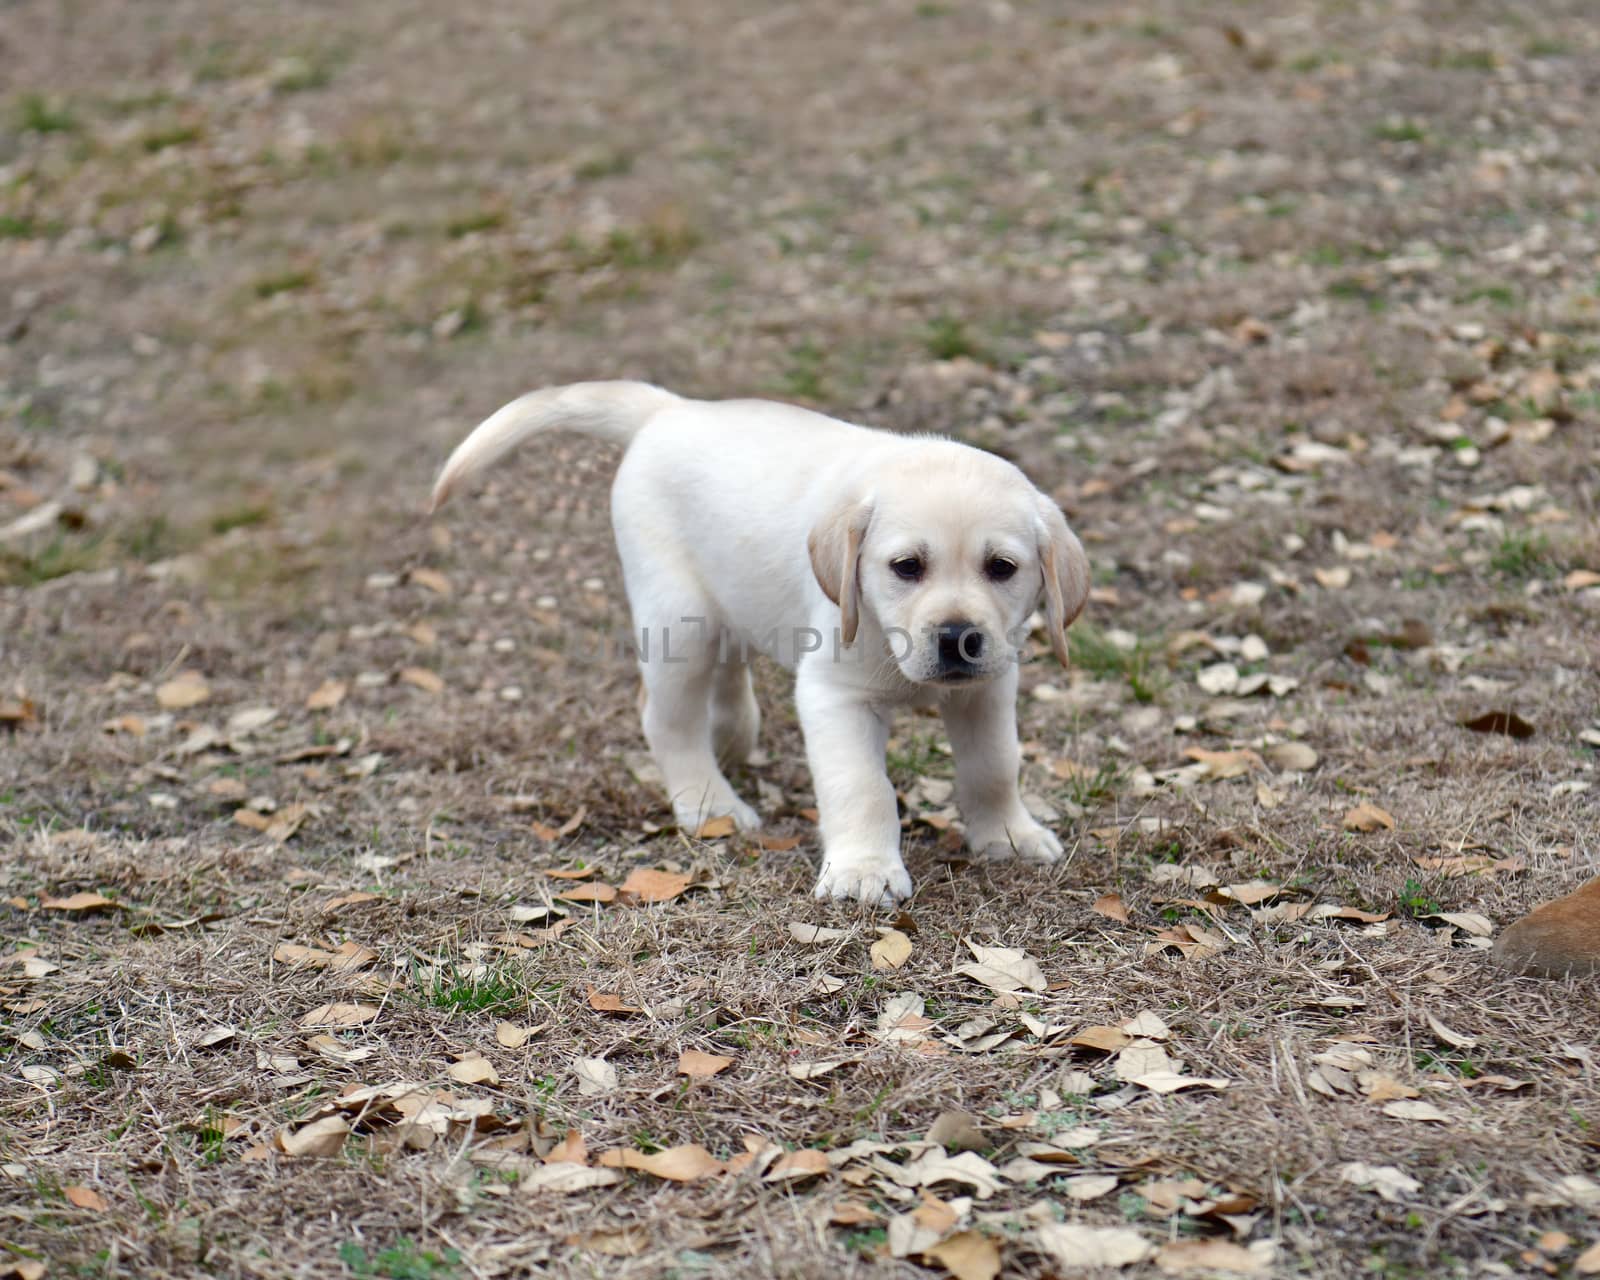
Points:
[(803, 376), (299, 73), (604, 164), (56, 559), (1399, 131), (1415, 901), (17, 227), (36, 113), (172, 135), (495, 991), (1093, 651), (1315, 60), (1501, 295), (485, 219), (1523, 555), (948, 338), (402, 1260), (1087, 790), (1471, 60), (1446, 1062), (239, 518), (1546, 47), (270, 286), (914, 756)]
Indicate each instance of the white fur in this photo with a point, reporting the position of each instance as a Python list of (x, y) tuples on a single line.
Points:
[(748, 520)]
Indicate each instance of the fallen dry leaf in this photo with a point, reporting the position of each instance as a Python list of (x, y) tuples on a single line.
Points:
[(692, 1062), (1410, 1109), (473, 1070), (1368, 817), (596, 892), (596, 1076), (610, 1002), (1183, 1256), (1508, 723), (1003, 969), (777, 844), (796, 1166), (86, 1198), (572, 1149), (422, 678), (1587, 1263), (324, 1137), (891, 950), (689, 1163), (716, 829), (564, 1177), (433, 580), (186, 689), (327, 695), (83, 904), (511, 1036), (654, 886), (551, 834), (1082, 1247), (1112, 907), (339, 1015), (812, 935), (967, 1255), (1383, 1179)]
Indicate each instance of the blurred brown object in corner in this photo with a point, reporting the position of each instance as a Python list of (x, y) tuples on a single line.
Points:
[(1556, 940)]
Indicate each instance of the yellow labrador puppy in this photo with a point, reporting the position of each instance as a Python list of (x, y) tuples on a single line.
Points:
[(884, 570)]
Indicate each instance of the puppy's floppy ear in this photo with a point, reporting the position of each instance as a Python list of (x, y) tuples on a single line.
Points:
[(835, 547), (1066, 574)]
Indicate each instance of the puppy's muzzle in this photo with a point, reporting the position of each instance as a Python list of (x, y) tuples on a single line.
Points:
[(960, 646)]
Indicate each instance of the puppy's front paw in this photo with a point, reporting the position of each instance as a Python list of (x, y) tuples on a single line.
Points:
[(871, 878), (1022, 837)]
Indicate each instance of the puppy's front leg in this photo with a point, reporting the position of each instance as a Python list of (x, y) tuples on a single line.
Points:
[(982, 724), (845, 743)]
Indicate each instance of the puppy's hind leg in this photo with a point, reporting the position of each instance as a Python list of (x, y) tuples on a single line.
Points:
[(735, 713), (676, 713)]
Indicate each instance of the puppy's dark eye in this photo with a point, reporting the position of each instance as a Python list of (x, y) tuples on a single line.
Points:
[(908, 568), (1000, 569)]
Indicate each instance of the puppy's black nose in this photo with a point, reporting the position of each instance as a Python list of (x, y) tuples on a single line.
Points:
[(960, 646)]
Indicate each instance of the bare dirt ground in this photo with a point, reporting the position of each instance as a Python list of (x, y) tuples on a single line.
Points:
[(1294, 307)]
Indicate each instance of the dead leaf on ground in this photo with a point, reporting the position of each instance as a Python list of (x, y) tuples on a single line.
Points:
[(509, 1035), (692, 1062), (186, 689), (648, 885), (551, 834), (1384, 1180), (967, 1255), (86, 1198), (1473, 923), (324, 1137), (564, 1178), (1112, 907), (572, 1149), (688, 1163), (339, 1015), (891, 950), (1456, 865), (1368, 817), (1414, 1109), (327, 695), (1081, 1247), (473, 1070), (610, 1002), (777, 844), (716, 829), (433, 580), (1003, 969), (796, 1166), (596, 1076), (1587, 1263), (1508, 723), (1183, 1256), (1218, 766), (596, 892), (812, 935), (79, 904), (422, 678)]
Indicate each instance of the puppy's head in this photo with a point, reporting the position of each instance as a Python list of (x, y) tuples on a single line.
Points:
[(949, 553)]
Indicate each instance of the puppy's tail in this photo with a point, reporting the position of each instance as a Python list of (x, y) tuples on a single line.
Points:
[(612, 411)]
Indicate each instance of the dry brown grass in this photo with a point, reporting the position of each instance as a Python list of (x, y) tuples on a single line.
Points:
[(1148, 256)]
